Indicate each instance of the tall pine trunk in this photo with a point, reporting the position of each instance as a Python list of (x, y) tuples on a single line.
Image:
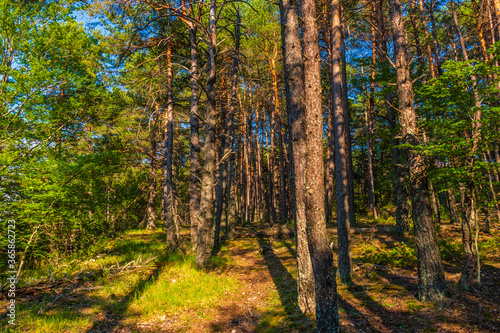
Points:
[(431, 281), (150, 210), (207, 186), (327, 319), (194, 163), (168, 149), (341, 154), (294, 86)]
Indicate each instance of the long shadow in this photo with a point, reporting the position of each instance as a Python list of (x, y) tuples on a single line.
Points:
[(390, 319), (360, 322), (284, 282), (473, 301), (290, 248), (114, 311)]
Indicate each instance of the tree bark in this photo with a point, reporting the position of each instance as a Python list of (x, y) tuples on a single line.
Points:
[(369, 127), (350, 179), (151, 211), (168, 146), (294, 86), (194, 165), (207, 186), (399, 172), (341, 154), (431, 281), (327, 319)]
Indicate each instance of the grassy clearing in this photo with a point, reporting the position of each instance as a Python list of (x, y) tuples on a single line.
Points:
[(172, 286), (179, 288)]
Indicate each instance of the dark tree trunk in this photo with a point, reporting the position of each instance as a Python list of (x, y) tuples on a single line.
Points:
[(194, 168), (234, 91), (284, 208), (203, 248), (369, 127), (228, 139), (431, 281), (327, 319), (294, 86), (452, 204), (330, 152)]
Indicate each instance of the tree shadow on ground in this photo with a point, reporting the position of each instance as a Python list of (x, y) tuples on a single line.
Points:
[(285, 283), (359, 321), (114, 311), (470, 306)]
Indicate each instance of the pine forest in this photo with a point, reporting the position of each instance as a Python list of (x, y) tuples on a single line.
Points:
[(249, 166)]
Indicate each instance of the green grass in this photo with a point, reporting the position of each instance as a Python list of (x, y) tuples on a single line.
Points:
[(182, 287), (35, 319), (172, 286)]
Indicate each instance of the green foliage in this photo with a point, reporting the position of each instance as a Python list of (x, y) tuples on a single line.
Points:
[(65, 159), (402, 255)]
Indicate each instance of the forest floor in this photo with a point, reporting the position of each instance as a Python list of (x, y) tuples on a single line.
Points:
[(133, 284)]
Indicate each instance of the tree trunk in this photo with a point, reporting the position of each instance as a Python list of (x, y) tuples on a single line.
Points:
[(369, 128), (327, 319), (399, 172), (207, 186), (350, 179), (431, 281), (294, 86), (229, 136), (341, 154), (194, 167), (234, 91), (168, 146), (330, 152), (151, 211), (452, 203)]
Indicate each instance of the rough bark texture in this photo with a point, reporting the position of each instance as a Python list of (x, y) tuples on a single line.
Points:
[(330, 151), (327, 319), (234, 91), (294, 85), (369, 128), (203, 248), (150, 210), (431, 281), (400, 191), (350, 179), (194, 163), (341, 157), (168, 149)]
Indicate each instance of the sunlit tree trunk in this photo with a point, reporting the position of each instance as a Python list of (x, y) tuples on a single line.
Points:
[(294, 86), (431, 281), (168, 148), (327, 319), (203, 248), (150, 210), (341, 154), (194, 163)]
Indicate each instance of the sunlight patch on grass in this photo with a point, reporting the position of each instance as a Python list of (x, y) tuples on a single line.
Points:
[(180, 287), (64, 320)]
